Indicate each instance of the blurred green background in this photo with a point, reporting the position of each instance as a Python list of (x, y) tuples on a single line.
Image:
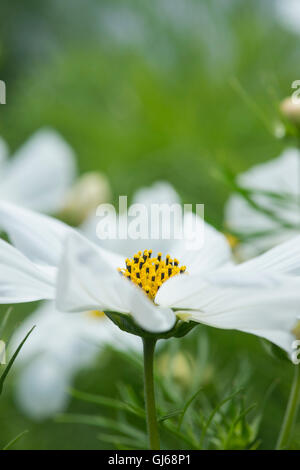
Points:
[(144, 91)]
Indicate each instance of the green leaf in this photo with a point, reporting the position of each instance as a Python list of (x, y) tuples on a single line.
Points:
[(239, 418), (251, 104), (256, 445), (108, 402), (129, 395), (214, 412), (169, 415), (12, 360), (184, 437), (14, 440), (103, 422), (118, 440), (186, 407)]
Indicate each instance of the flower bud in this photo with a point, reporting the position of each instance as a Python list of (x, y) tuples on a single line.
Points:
[(290, 109), (87, 193), (180, 365)]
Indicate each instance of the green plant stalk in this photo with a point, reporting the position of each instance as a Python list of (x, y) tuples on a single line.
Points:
[(291, 412), (152, 425)]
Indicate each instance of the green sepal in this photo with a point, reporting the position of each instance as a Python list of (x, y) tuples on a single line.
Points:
[(275, 351), (182, 328), (127, 323)]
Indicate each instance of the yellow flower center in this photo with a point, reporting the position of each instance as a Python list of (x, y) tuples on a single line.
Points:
[(150, 273)]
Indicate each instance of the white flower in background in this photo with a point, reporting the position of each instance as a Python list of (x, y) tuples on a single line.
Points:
[(40, 176), (274, 213), (40, 172), (60, 346), (261, 296), (160, 192), (289, 14)]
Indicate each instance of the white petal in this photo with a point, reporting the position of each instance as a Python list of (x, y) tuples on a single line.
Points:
[(126, 247), (181, 291), (40, 173), (271, 314), (263, 271), (160, 192), (260, 244), (284, 259), (42, 388), (148, 315), (38, 236), (277, 175), (209, 248), (201, 247), (187, 291), (269, 310), (88, 280), (21, 280), (242, 218)]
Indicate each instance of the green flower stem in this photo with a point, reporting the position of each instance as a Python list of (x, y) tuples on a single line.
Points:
[(291, 412), (152, 426)]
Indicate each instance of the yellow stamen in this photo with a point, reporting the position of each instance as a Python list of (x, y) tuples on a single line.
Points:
[(232, 240), (150, 273), (96, 314)]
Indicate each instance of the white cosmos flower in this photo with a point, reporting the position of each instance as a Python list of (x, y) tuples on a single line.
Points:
[(40, 172), (60, 346), (261, 296), (275, 191)]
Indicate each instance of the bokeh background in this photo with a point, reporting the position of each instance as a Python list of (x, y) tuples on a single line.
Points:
[(145, 91)]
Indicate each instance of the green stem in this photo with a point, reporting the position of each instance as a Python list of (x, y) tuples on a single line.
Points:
[(291, 412), (153, 434)]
